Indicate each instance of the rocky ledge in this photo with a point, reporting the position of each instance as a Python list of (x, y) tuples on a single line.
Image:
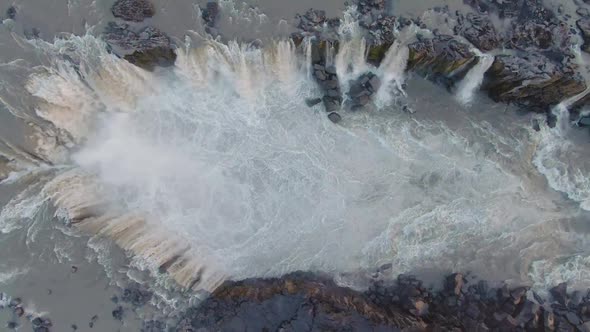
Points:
[(307, 302), (535, 67)]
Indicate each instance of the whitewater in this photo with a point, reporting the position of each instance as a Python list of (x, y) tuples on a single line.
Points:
[(217, 169)]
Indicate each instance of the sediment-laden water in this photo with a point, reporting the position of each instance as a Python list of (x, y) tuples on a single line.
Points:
[(217, 169)]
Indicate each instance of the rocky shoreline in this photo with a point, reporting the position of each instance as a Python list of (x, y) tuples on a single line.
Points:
[(306, 301), (535, 66)]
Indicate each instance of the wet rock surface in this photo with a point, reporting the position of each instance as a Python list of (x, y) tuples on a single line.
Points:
[(442, 59), (306, 302), (535, 65), (531, 81), (133, 10), (147, 47)]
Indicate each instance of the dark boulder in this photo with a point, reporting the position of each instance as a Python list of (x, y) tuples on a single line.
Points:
[(362, 89), (334, 117), (210, 14), (312, 102), (11, 12), (118, 313), (133, 10), (559, 293)]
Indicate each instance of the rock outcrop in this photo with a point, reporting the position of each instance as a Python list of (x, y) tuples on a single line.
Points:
[(531, 81), (443, 58), (307, 302), (535, 65), (146, 48), (133, 10)]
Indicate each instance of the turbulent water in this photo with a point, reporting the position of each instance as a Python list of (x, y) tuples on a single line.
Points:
[(218, 166)]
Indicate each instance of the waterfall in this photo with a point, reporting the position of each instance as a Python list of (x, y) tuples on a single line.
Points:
[(471, 82), (216, 169), (391, 72)]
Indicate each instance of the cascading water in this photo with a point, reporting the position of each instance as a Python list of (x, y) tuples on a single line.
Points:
[(220, 163), (473, 79)]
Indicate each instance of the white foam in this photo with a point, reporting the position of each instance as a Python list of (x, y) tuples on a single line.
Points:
[(6, 276)]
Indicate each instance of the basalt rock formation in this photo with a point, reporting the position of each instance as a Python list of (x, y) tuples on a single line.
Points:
[(143, 45), (147, 48), (535, 65), (307, 302)]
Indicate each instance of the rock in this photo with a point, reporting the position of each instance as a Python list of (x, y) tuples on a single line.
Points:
[(454, 283), (74, 327), (331, 70), (509, 323), (320, 75), (334, 117), (15, 302), (211, 13), (585, 327), (584, 121), (385, 267), (312, 102), (472, 311), (74, 269), (37, 321), (331, 104), (11, 325), (517, 294), (93, 320), (133, 10), (584, 12), (333, 93), (146, 48), (536, 125), (118, 313), (573, 318), (11, 13), (19, 311), (584, 25), (559, 293), (529, 311), (375, 83), (408, 109)]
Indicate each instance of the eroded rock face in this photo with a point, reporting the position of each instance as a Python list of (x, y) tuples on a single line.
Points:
[(133, 10), (297, 302), (443, 59), (147, 48), (531, 81), (307, 302), (584, 26)]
